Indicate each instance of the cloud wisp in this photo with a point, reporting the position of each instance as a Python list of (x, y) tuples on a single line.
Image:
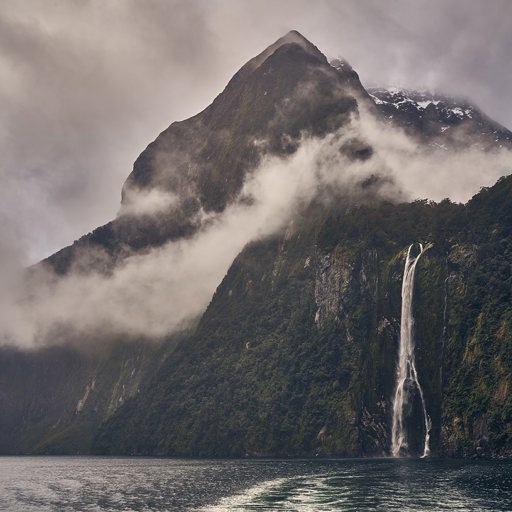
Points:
[(156, 293), (160, 291)]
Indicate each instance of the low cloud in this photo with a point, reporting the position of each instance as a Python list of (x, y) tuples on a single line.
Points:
[(434, 171), (146, 201), (159, 292), (162, 291)]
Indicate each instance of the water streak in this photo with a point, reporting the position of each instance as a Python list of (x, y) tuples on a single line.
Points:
[(444, 332), (406, 374)]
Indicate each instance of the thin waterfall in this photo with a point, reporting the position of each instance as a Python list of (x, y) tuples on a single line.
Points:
[(406, 373), (444, 333)]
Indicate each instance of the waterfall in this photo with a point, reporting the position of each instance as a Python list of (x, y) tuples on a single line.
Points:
[(406, 373), (444, 332)]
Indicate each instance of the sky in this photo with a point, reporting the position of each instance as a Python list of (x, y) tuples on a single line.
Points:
[(86, 85)]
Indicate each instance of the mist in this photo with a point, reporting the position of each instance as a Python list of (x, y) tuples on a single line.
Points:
[(434, 172), (154, 294), (159, 292)]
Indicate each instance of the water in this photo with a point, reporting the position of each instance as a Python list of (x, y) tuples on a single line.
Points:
[(137, 484), (407, 376)]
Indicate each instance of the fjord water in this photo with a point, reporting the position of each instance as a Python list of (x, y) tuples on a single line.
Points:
[(137, 484)]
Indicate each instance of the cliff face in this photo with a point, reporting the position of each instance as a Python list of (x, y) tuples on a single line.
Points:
[(53, 400), (296, 354), (200, 164)]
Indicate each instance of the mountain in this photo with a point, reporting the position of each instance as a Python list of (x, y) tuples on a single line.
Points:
[(440, 120), (296, 352), (203, 161)]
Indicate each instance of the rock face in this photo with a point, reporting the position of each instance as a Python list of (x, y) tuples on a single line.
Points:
[(440, 120), (296, 353), (285, 92), (53, 400), (303, 361)]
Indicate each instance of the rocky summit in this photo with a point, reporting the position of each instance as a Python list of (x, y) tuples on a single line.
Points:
[(296, 353)]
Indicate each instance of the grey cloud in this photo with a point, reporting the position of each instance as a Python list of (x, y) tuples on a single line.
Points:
[(84, 86), (162, 291)]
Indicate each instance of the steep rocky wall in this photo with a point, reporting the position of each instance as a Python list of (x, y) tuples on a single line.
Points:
[(296, 353), (53, 400)]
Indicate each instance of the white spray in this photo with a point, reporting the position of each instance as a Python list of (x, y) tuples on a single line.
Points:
[(406, 374)]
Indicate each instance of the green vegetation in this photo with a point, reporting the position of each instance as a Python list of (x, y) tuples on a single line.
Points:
[(296, 352)]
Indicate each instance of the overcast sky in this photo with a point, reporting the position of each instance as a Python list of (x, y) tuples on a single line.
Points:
[(85, 85)]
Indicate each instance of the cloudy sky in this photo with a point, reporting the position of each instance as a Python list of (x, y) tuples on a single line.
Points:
[(85, 85)]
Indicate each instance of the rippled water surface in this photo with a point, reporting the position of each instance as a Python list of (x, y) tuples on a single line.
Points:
[(134, 484)]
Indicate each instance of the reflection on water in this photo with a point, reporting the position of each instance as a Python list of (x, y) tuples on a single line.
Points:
[(126, 484)]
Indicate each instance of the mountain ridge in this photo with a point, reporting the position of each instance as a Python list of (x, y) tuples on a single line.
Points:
[(196, 181), (295, 354), (209, 175), (435, 114)]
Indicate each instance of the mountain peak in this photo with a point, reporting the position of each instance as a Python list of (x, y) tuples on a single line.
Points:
[(267, 99), (295, 37), (292, 37)]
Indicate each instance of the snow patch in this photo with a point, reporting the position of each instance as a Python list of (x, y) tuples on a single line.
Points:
[(458, 112), (394, 91), (426, 103), (378, 101)]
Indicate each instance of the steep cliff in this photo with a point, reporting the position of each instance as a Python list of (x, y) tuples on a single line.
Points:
[(201, 164), (297, 351), (53, 399)]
